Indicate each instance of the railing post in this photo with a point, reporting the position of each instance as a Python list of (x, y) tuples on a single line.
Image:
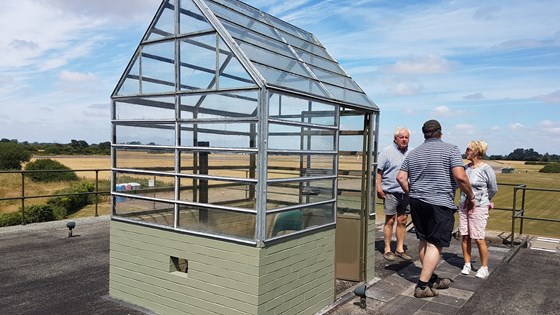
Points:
[(522, 208), (22, 198), (513, 215), (96, 191)]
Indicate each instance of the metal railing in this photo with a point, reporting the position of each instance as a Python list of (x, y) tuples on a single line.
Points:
[(518, 207), (517, 210), (24, 197)]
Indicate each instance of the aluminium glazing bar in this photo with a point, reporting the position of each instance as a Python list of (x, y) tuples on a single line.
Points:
[(188, 232)]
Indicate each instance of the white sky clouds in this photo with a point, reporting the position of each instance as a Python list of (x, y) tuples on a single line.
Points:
[(483, 69)]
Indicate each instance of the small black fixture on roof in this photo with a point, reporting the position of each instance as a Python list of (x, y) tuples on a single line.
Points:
[(70, 225)]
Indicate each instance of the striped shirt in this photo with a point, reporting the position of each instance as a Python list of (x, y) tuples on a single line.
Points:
[(389, 163), (429, 172)]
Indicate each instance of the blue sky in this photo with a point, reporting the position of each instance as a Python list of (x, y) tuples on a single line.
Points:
[(485, 70)]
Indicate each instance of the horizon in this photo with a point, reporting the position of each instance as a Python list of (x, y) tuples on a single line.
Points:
[(485, 71)]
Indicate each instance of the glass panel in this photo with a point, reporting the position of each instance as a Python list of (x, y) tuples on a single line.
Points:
[(198, 62), (307, 46), (235, 104), (249, 23), (131, 83), (239, 165), (271, 58), (296, 109), (158, 160), (158, 67), (220, 135), (284, 137), (145, 211), (351, 188), (232, 74), (350, 96), (191, 19), (291, 29), (156, 186), (283, 79), (281, 195), (147, 134), (165, 23), (240, 7), (305, 165), (151, 108), (317, 61), (295, 220), (226, 193), (256, 39), (217, 222), (336, 79)]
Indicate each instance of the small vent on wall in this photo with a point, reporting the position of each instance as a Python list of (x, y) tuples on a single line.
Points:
[(178, 265)]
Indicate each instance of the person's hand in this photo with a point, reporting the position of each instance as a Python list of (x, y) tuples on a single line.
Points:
[(380, 194), (491, 205), (470, 204)]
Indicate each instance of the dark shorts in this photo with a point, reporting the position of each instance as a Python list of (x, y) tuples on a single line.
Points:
[(433, 223)]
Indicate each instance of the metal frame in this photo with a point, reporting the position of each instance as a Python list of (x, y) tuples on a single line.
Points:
[(299, 43)]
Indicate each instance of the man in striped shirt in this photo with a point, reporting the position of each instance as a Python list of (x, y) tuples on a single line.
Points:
[(430, 174)]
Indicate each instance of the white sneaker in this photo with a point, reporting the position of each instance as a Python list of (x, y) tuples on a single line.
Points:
[(482, 272), (466, 270)]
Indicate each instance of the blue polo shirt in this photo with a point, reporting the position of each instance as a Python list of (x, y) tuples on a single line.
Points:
[(429, 172), (389, 163)]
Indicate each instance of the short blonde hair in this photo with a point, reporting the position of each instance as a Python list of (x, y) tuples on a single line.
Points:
[(400, 130), (478, 145)]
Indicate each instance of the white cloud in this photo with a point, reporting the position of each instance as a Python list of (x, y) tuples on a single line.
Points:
[(486, 14), (553, 98), (78, 77), (549, 127), (424, 64), (408, 111), (516, 126), (467, 129), (406, 89), (446, 111), (495, 128)]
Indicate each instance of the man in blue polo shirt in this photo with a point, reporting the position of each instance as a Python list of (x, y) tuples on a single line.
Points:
[(395, 201), (430, 174)]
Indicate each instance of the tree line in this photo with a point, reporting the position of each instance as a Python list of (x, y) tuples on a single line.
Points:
[(521, 154), (75, 147), (13, 153)]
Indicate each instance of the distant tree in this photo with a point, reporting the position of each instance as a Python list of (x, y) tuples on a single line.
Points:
[(520, 154), (49, 165), (551, 168), (495, 157), (12, 155), (53, 149)]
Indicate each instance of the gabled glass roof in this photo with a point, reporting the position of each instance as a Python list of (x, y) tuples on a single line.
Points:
[(267, 52)]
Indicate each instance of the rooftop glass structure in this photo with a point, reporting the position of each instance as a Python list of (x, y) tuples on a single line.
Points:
[(231, 123)]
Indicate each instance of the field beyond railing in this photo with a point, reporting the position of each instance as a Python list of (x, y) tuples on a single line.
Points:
[(527, 201), (16, 186)]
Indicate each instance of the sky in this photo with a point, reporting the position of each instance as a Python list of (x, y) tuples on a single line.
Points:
[(487, 70)]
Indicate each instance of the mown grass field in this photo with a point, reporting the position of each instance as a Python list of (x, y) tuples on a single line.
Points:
[(537, 203)]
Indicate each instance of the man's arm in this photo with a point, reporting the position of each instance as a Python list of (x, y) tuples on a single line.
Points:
[(380, 193), (462, 181), (402, 178)]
